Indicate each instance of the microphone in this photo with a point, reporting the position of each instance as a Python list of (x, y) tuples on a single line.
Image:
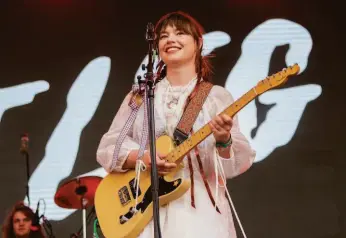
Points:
[(35, 225), (24, 145), (150, 34)]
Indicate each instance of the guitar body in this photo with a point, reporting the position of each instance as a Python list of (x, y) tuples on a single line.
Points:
[(115, 197)]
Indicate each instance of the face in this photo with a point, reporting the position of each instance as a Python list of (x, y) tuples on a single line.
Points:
[(176, 47), (21, 224)]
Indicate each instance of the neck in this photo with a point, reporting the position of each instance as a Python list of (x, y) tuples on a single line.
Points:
[(181, 75)]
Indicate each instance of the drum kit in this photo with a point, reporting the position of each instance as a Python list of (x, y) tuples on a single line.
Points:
[(79, 193)]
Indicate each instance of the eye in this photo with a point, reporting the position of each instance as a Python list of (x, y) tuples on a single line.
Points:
[(179, 33), (163, 36)]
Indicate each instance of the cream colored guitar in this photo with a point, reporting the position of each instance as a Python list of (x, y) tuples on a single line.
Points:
[(115, 196)]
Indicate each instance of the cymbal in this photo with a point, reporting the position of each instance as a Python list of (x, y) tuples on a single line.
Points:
[(76, 192)]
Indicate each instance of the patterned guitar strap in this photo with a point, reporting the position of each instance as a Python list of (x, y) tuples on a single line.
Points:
[(139, 93), (192, 108)]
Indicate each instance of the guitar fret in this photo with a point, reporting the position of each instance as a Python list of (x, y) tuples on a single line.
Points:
[(168, 158), (206, 131), (194, 138), (189, 143), (178, 149), (202, 133), (199, 135), (173, 156), (182, 148)]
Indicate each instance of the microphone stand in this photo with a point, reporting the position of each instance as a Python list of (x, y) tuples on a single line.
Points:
[(149, 84), (88, 220), (47, 227), (27, 176), (24, 151)]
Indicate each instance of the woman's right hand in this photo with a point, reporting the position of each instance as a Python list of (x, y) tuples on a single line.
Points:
[(163, 167)]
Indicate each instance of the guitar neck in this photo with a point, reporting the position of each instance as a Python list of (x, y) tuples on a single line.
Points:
[(264, 85), (196, 138)]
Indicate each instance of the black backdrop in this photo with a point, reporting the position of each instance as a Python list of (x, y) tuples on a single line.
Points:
[(297, 191)]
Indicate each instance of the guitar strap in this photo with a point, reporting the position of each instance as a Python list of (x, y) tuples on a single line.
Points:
[(192, 108)]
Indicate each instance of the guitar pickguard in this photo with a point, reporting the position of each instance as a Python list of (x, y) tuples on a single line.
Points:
[(133, 188), (164, 189)]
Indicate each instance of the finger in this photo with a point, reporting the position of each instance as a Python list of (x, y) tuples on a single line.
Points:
[(163, 173), (227, 123), (217, 127), (212, 126), (226, 129), (161, 155), (219, 120), (227, 119), (165, 170), (170, 165), (160, 162)]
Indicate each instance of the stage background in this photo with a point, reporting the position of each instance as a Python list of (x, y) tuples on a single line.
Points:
[(65, 67)]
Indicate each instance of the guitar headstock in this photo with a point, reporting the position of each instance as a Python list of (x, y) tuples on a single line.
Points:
[(277, 79)]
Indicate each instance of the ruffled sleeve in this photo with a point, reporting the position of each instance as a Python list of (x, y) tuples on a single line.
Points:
[(242, 155), (105, 151)]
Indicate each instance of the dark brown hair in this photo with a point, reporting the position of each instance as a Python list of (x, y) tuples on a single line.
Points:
[(187, 24), (7, 228)]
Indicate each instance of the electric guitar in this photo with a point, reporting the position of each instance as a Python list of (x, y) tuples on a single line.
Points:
[(115, 197)]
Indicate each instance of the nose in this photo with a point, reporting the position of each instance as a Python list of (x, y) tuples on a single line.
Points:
[(171, 38)]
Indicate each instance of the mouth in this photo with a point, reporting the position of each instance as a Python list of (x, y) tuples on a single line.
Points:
[(172, 49)]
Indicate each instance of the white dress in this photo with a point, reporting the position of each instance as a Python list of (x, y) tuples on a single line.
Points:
[(179, 218)]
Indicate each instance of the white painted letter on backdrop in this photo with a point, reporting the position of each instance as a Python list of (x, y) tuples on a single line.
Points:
[(253, 66)]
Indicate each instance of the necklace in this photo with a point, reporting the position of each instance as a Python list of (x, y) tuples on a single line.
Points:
[(173, 100), (173, 103)]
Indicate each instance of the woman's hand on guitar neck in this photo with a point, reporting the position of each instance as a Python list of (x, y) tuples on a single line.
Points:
[(221, 126), (163, 167)]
